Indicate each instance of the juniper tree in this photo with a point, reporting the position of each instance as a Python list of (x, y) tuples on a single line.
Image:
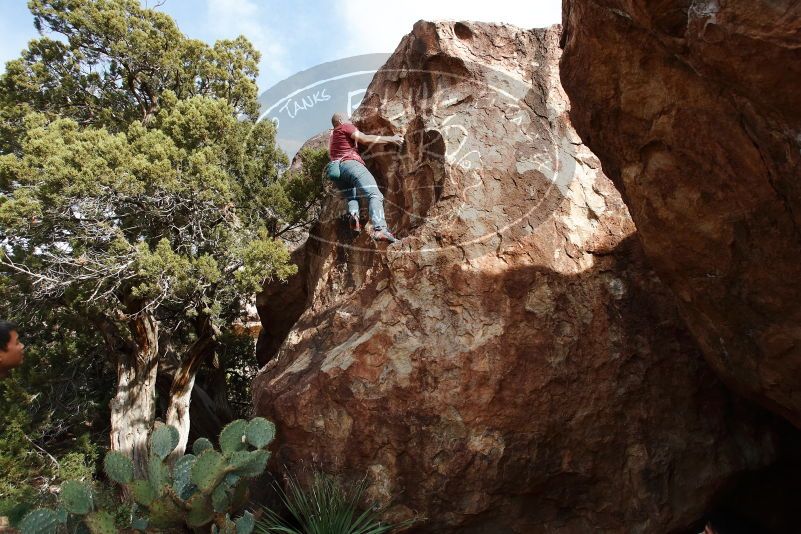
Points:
[(139, 192)]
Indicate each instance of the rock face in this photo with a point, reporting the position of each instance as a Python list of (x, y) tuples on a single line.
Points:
[(694, 109), (513, 365)]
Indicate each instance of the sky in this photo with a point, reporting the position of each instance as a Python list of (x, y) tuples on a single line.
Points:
[(293, 36)]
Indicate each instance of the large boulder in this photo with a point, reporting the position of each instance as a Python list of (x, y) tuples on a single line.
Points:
[(694, 110), (514, 364)]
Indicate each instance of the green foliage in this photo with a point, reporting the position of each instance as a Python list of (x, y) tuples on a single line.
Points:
[(194, 492), (295, 196), (53, 411), (119, 59), (134, 179), (324, 508)]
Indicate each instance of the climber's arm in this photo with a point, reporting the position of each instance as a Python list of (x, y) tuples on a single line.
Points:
[(368, 139)]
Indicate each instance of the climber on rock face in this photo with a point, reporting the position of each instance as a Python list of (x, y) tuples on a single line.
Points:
[(355, 180)]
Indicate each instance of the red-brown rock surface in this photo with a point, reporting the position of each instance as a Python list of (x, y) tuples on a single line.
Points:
[(513, 365), (694, 109)]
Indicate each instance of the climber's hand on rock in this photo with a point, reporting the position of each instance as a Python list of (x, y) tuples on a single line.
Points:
[(396, 140)]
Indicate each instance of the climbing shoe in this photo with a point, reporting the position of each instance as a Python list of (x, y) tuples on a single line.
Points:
[(384, 235)]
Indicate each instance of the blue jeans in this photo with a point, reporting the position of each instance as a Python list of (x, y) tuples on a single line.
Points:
[(355, 181)]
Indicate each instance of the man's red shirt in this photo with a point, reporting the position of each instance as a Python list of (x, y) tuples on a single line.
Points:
[(342, 145)]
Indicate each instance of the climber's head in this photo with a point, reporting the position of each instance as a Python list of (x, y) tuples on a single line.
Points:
[(11, 349), (338, 118)]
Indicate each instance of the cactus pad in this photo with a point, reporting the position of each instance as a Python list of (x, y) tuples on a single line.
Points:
[(200, 511), (208, 470), (249, 464), (62, 514), (221, 498), (158, 474), (163, 441), (245, 524), (201, 444), (139, 523), (76, 497), (40, 521), (100, 522), (118, 467), (231, 479), (232, 437), (164, 513), (142, 492), (260, 432), (182, 475)]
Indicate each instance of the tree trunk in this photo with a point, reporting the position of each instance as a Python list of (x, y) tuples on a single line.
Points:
[(184, 381), (133, 407)]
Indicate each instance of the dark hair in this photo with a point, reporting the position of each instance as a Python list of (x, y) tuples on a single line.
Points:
[(6, 328)]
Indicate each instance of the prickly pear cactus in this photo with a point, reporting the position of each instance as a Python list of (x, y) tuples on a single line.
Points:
[(100, 522), (200, 512), (204, 487), (158, 474), (40, 521), (260, 432), (209, 469), (198, 489), (165, 513), (232, 437), (142, 492), (76, 497), (163, 441), (182, 476), (201, 444), (118, 467), (245, 524)]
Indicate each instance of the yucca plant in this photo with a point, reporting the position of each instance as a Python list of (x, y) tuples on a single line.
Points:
[(324, 508)]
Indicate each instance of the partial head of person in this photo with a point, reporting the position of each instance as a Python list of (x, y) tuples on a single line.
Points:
[(338, 118), (11, 349)]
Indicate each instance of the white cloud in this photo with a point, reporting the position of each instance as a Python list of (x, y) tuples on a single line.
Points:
[(228, 18), (371, 27)]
